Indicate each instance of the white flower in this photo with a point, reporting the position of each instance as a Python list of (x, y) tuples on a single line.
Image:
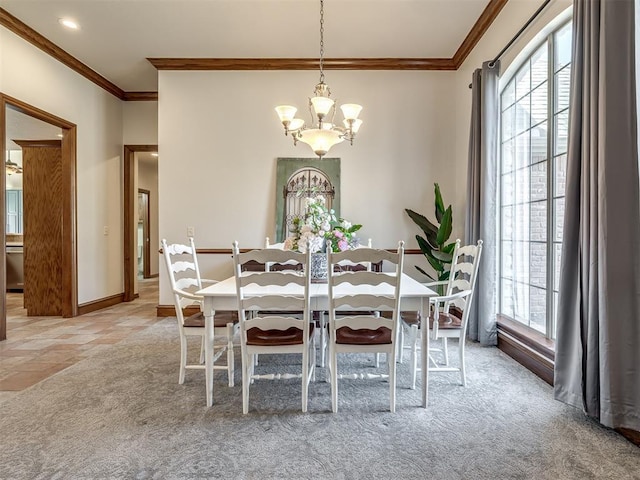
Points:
[(346, 224)]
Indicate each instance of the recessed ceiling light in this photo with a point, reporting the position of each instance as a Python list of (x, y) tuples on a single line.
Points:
[(154, 154), (67, 22)]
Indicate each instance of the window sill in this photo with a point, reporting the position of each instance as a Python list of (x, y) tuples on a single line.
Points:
[(527, 346)]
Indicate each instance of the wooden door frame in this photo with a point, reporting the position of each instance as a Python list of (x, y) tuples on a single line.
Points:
[(130, 200), (69, 221), (146, 233)]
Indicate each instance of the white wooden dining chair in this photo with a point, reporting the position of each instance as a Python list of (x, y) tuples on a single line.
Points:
[(449, 315), (272, 324), (365, 294), (184, 276)]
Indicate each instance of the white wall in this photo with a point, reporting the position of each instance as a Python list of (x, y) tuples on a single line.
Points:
[(219, 134), (140, 123), (34, 77)]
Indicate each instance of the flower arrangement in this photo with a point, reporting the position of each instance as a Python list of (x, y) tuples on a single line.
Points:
[(319, 229)]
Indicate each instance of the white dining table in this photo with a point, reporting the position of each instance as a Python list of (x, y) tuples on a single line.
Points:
[(223, 296)]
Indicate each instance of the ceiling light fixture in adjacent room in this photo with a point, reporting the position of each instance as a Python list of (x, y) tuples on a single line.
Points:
[(11, 167), (323, 134)]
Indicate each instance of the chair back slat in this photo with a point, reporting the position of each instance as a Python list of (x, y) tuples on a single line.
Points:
[(183, 266), (273, 322), (177, 249), (364, 277), (364, 255), (360, 322), (273, 255), (186, 284), (366, 301), (464, 268), (267, 278), (469, 250), (273, 303)]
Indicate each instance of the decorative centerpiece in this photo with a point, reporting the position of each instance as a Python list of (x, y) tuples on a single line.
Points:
[(319, 230)]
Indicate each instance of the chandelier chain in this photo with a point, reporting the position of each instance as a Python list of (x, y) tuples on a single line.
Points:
[(321, 41)]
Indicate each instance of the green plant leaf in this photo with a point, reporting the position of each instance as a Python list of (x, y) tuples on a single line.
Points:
[(449, 248), (443, 256), (446, 226), (425, 225), (437, 266), (424, 245), (439, 203), (444, 275), (424, 273)]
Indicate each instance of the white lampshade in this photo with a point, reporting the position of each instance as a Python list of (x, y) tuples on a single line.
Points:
[(322, 105), (351, 110), (295, 124), (355, 127), (286, 112), (320, 141)]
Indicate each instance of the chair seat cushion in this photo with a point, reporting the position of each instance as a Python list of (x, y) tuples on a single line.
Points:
[(221, 318), (451, 320), (363, 336), (290, 336)]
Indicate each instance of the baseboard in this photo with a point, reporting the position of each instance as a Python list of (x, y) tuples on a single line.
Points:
[(528, 348), (170, 310), (100, 304), (631, 435)]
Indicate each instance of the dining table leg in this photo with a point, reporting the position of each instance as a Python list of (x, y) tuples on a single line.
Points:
[(208, 348), (424, 330)]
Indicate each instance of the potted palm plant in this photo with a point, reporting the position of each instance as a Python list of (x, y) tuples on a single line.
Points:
[(435, 245)]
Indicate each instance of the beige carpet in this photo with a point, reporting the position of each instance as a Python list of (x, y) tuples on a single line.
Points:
[(121, 414)]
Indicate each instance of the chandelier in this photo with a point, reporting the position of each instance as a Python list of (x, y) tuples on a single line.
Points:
[(11, 167), (322, 134)]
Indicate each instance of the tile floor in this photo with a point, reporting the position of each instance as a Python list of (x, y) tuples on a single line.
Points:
[(38, 347)]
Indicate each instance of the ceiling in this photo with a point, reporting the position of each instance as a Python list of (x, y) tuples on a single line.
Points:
[(24, 127), (117, 36)]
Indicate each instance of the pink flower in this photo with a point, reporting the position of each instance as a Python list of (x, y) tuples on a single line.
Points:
[(343, 245), (338, 234)]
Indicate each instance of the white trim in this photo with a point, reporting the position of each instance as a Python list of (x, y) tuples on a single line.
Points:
[(532, 46)]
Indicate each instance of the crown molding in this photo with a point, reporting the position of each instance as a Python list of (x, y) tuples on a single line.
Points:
[(487, 17), (141, 96), (34, 38), (302, 63)]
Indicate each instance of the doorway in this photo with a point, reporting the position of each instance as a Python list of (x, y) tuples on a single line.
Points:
[(130, 201), (144, 234), (67, 178)]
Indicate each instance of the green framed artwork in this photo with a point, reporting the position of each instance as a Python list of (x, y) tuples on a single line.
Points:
[(299, 178)]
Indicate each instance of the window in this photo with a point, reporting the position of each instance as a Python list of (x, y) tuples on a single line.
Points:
[(534, 126)]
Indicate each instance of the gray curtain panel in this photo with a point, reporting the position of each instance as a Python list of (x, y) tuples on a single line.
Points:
[(597, 365), (482, 179)]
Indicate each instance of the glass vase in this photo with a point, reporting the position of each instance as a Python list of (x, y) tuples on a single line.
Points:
[(319, 268)]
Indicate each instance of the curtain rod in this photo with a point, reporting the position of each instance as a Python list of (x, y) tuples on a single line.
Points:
[(518, 33)]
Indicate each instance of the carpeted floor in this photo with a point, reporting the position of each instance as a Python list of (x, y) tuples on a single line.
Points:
[(121, 414)]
